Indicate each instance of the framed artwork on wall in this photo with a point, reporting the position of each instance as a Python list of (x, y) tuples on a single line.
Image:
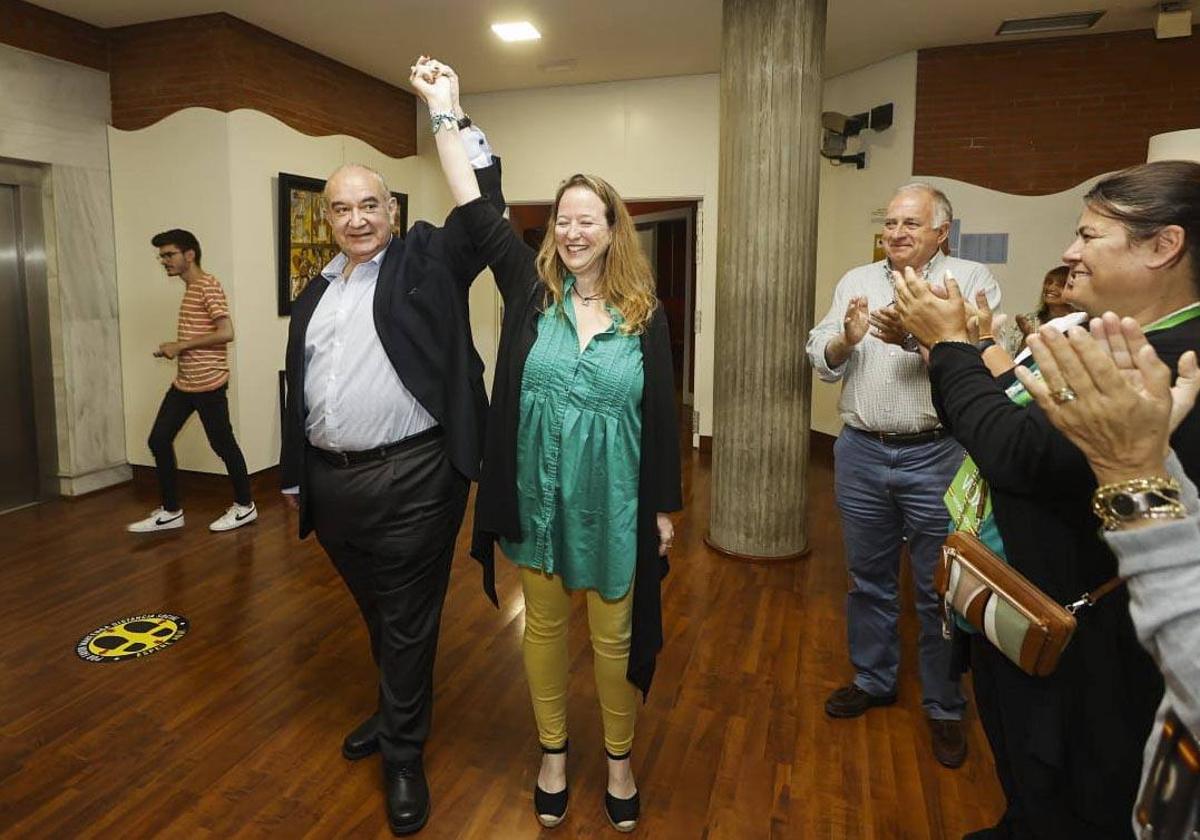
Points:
[(306, 242)]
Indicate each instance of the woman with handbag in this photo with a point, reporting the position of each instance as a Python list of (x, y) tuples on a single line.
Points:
[(1068, 745), (581, 462)]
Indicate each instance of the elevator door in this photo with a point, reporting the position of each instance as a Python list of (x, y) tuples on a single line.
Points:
[(19, 475)]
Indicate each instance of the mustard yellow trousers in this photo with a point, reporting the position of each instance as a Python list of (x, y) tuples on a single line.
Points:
[(547, 610)]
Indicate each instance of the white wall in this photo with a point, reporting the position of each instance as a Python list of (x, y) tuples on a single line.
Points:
[(651, 138), (215, 174), (54, 113)]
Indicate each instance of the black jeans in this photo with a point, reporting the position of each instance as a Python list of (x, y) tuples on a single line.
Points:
[(389, 526), (213, 407)]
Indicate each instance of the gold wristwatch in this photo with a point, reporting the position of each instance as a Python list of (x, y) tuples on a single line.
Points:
[(1139, 498)]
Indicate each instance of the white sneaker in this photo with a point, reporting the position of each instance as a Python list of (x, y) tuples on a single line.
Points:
[(159, 520), (235, 517)]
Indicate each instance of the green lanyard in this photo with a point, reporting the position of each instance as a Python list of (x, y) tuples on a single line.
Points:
[(1188, 313)]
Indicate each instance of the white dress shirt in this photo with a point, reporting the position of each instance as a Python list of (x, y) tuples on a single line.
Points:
[(886, 388), (354, 396)]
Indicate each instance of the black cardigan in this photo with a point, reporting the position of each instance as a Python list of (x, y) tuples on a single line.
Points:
[(659, 482), (1092, 716)]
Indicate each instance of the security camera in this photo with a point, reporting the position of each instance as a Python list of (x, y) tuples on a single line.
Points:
[(832, 143), (840, 124)]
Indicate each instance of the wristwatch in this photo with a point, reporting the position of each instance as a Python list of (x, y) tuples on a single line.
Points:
[(465, 122), (1141, 498)]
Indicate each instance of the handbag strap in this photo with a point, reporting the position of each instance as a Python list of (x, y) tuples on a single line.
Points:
[(1089, 599)]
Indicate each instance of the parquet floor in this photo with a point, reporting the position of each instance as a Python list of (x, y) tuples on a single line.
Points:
[(235, 731)]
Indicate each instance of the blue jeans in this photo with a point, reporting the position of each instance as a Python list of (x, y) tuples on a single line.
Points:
[(887, 492)]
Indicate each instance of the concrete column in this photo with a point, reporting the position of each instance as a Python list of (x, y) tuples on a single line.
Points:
[(771, 57)]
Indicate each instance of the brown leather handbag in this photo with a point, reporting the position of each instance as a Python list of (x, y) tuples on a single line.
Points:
[(1024, 623)]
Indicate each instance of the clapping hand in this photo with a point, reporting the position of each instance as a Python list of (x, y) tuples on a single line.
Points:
[(1109, 393), (857, 321), (886, 326), (980, 318), (929, 316)]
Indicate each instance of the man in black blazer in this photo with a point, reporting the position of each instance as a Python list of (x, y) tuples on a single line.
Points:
[(383, 432)]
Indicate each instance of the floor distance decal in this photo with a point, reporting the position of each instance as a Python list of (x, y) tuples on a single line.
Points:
[(132, 638)]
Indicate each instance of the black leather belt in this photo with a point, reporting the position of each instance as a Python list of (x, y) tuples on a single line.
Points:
[(905, 438), (347, 459)]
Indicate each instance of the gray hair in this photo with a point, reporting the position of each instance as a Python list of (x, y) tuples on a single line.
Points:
[(943, 213), (346, 167)]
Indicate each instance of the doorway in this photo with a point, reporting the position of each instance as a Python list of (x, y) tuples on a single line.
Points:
[(28, 462)]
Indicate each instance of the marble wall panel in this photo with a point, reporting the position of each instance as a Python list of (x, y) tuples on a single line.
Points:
[(56, 113), (52, 111)]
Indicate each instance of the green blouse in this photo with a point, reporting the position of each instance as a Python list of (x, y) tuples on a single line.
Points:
[(578, 454)]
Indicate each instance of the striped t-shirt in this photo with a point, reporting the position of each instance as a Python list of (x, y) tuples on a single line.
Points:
[(205, 368)]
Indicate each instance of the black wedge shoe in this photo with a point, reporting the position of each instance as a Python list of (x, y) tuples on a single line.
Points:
[(550, 808), (622, 813)]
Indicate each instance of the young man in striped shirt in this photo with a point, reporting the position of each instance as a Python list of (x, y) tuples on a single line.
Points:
[(201, 382)]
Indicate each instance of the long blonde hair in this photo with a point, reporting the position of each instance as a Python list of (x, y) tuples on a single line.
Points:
[(625, 278)]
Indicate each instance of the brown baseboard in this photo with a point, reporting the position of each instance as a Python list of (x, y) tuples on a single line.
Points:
[(751, 558)]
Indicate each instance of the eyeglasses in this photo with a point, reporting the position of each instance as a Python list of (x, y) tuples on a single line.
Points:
[(168, 255)]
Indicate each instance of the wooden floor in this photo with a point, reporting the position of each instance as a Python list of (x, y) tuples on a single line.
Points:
[(235, 731)]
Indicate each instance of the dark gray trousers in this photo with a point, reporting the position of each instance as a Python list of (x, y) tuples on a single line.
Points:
[(389, 525)]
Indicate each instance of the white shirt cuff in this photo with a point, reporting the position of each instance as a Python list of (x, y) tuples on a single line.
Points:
[(479, 152)]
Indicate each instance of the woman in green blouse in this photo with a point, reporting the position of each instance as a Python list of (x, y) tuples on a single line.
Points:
[(581, 461)]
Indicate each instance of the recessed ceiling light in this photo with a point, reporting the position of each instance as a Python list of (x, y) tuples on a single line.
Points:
[(1050, 23), (523, 31)]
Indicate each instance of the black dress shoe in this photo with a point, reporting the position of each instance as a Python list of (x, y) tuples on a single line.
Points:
[(949, 742), (550, 808), (851, 701), (363, 741), (407, 797)]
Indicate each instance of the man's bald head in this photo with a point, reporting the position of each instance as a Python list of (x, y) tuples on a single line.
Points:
[(357, 168)]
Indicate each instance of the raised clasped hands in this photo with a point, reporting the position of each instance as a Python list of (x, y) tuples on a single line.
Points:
[(928, 315), (436, 83), (1109, 393)]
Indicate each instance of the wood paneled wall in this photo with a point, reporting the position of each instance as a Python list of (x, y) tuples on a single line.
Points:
[(218, 61)]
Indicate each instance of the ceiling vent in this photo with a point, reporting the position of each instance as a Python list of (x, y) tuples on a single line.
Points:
[(1050, 23)]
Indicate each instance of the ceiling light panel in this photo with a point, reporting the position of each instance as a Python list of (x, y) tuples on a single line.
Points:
[(521, 31)]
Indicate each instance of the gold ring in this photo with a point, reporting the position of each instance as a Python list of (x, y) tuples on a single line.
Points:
[(1063, 395)]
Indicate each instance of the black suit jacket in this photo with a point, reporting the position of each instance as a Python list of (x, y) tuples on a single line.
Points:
[(422, 318)]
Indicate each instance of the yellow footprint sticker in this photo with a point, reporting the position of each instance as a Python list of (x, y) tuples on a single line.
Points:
[(132, 638)]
